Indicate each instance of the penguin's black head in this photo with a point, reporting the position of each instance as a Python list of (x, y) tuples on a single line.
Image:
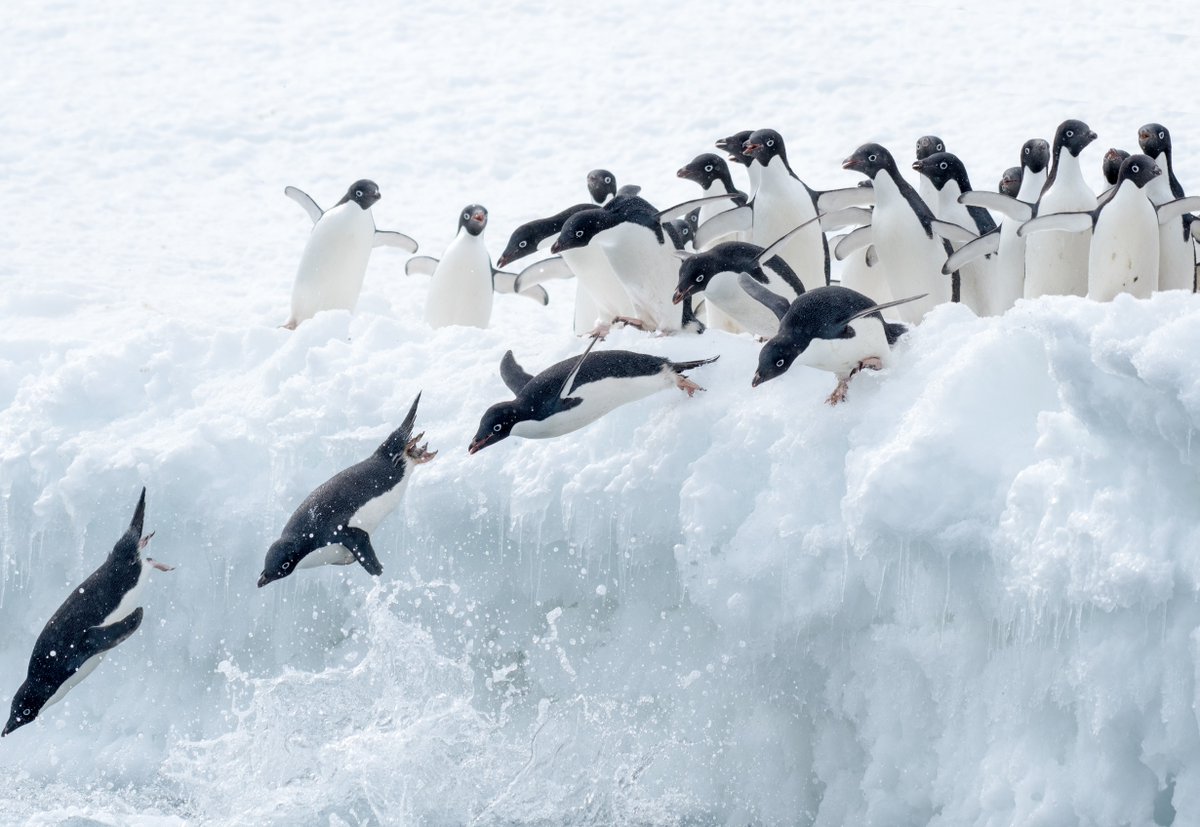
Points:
[(680, 231), (362, 192), (282, 558), (1035, 155), (1140, 169), (763, 145), (26, 706), (581, 228), (705, 169), (941, 167), (870, 160), (774, 359), (929, 144), (1112, 164), (1010, 181), (694, 275), (523, 241), (602, 185), (497, 424), (1154, 138), (733, 146), (1073, 135), (473, 219)]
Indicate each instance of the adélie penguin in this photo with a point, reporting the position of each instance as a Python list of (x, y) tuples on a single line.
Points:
[(602, 186), (1010, 182), (97, 615), (576, 392), (928, 145), (711, 173), (334, 261), (464, 279), (1111, 164), (717, 274), (333, 525), (1176, 250)]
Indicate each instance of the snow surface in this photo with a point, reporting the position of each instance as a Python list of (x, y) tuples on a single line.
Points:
[(966, 597)]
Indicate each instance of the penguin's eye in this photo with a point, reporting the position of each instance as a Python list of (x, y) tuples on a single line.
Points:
[(708, 168), (26, 711), (779, 364), (1136, 168), (1026, 150), (770, 142), (358, 193), (686, 231), (943, 165), (607, 179), (496, 428), (1070, 133), (699, 278), (286, 565), (872, 158), (523, 244), (579, 233), (1161, 136), (466, 216), (940, 148)]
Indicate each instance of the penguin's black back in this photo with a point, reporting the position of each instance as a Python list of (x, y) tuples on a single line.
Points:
[(334, 502), (603, 364)]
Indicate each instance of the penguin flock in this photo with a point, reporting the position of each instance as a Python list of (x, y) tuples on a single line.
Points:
[(754, 262)]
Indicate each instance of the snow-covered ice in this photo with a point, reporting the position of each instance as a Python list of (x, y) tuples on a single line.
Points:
[(968, 596)]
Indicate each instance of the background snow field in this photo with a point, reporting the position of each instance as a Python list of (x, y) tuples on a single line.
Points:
[(968, 596)]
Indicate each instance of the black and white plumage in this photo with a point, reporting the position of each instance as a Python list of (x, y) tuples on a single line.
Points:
[(333, 525), (1110, 165), (835, 329), (1176, 250), (1010, 182), (711, 173), (717, 273), (334, 261), (576, 392), (602, 186), (928, 145), (98, 615)]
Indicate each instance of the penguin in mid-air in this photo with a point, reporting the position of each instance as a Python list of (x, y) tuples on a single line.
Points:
[(464, 279), (99, 614), (334, 261), (576, 392), (835, 329), (1176, 250), (334, 523)]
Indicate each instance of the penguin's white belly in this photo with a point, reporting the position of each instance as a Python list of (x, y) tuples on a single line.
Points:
[(461, 290), (708, 211), (374, 511), (648, 271), (88, 667), (331, 555), (976, 278), (599, 397), (779, 208), (911, 259), (727, 295), (842, 356), (1056, 263), (595, 275), (866, 279), (334, 262), (1008, 277), (131, 599), (1176, 252), (1124, 252)]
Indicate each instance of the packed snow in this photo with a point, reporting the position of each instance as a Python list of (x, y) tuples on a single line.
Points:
[(967, 596)]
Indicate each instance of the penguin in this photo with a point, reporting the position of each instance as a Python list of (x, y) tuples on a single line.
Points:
[(1111, 165), (946, 172), (1057, 263), (464, 279), (1123, 254), (334, 260), (732, 147), (1008, 277), (334, 523), (97, 615), (834, 329), (576, 392), (717, 274), (1010, 182), (928, 145), (712, 174), (1176, 250), (909, 241), (602, 186)]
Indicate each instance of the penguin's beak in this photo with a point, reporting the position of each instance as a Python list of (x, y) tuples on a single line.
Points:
[(749, 148), (684, 172), (555, 248), (681, 294), (917, 166), (503, 261), (479, 444), (757, 380), (263, 580), (851, 163), (1157, 169), (1143, 135)]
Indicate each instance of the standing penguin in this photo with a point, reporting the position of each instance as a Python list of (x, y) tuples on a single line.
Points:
[(98, 615), (464, 279), (1176, 250), (334, 523), (732, 147), (334, 261), (576, 392), (602, 186), (712, 174), (1111, 165), (1057, 263), (928, 145)]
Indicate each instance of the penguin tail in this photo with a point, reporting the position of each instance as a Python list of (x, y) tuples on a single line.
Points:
[(680, 367), (893, 331)]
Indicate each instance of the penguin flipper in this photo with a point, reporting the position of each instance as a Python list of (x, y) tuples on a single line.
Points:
[(1068, 222), (540, 271), (100, 639), (629, 189), (872, 255), (769, 299), (515, 376), (833, 200), (505, 282), (358, 542), (391, 238), (985, 245), (685, 207), (875, 308), (304, 200), (420, 266), (845, 217), (773, 250), (1176, 209), (953, 232), (998, 201), (739, 219), (565, 391), (893, 331), (854, 240)]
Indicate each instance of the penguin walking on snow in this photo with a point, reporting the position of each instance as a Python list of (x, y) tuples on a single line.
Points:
[(576, 392), (334, 262), (98, 615), (720, 273), (464, 279), (334, 523)]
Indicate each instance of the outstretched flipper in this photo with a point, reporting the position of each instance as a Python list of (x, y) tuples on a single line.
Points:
[(774, 302), (513, 374), (953, 232), (985, 245), (541, 271), (391, 238), (420, 266), (685, 207), (565, 391), (875, 308), (358, 542), (304, 200), (1177, 208), (854, 240), (1067, 222), (998, 201), (739, 219), (505, 282), (845, 217), (831, 200), (100, 639)]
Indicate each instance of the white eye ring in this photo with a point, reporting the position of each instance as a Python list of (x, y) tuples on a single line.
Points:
[(607, 179), (770, 142), (940, 148), (496, 428), (579, 233), (466, 216), (943, 165), (1026, 150), (286, 565), (779, 364), (358, 193), (1135, 168), (1161, 136), (523, 244), (1070, 133), (699, 279), (685, 230), (708, 168), (871, 158), (26, 711)]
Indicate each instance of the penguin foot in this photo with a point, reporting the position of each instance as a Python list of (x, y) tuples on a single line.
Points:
[(870, 363), (839, 393), (419, 455), (290, 324), (160, 566), (600, 331), (629, 321), (145, 541), (686, 385)]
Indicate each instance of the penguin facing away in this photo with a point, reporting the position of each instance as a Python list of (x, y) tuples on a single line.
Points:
[(334, 261), (576, 392), (333, 525), (98, 615), (833, 329)]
